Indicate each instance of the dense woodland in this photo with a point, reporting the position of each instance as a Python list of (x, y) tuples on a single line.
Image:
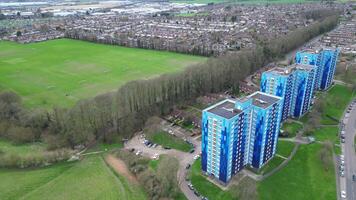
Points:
[(113, 116)]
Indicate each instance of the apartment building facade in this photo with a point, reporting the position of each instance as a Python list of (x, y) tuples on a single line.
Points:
[(240, 132)]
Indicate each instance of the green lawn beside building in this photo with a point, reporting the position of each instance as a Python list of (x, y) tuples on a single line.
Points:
[(303, 178), (166, 140)]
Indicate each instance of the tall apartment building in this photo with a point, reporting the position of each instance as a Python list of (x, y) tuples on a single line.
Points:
[(241, 132), (324, 59), (280, 82), (303, 92), (294, 84)]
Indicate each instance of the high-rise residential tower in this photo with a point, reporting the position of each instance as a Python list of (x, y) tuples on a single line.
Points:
[(239, 132), (324, 59)]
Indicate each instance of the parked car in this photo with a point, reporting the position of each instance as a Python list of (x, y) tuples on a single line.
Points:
[(132, 150), (354, 178), (138, 153), (196, 193), (343, 194), (188, 166), (191, 151), (342, 140), (190, 186), (167, 147), (196, 157), (342, 173)]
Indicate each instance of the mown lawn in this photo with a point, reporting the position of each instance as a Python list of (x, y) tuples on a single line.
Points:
[(86, 179), (337, 99), (60, 72), (15, 184), (205, 187), (327, 133), (303, 178), (291, 128), (167, 140), (284, 148)]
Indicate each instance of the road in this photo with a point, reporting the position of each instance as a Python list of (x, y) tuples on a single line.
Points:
[(183, 157), (348, 150)]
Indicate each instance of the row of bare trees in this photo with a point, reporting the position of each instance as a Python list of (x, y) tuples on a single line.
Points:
[(121, 113)]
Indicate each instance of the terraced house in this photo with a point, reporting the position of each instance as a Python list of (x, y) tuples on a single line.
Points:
[(240, 132)]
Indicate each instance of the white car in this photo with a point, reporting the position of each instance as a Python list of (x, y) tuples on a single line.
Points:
[(156, 156), (343, 194), (342, 157), (196, 157), (138, 153)]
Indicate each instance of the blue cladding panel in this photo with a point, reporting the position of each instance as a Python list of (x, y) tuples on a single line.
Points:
[(300, 96), (223, 156), (263, 82), (259, 134), (326, 70), (204, 141)]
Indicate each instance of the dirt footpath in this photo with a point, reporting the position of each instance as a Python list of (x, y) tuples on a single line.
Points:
[(120, 167)]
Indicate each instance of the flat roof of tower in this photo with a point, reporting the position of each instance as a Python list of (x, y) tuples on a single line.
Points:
[(284, 71), (303, 66), (317, 49), (225, 109), (263, 100)]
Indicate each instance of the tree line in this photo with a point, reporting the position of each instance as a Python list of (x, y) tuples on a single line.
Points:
[(119, 114)]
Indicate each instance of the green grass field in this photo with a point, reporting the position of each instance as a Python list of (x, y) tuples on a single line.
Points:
[(61, 72), (303, 178), (284, 148), (337, 99), (327, 133), (292, 128), (204, 186), (86, 179), (167, 140)]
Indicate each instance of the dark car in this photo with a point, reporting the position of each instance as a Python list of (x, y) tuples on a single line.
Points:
[(354, 178), (132, 150), (167, 147), (188, 166), (191, 151), (196, 193)]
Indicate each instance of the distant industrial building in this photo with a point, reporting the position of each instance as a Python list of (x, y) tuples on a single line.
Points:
[(240, 132), (325, 61), (294, 84)]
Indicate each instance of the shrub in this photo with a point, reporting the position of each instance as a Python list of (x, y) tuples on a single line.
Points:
[(12, 160), (20, 135)]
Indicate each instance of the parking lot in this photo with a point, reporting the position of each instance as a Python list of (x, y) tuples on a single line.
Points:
[(142, 147)]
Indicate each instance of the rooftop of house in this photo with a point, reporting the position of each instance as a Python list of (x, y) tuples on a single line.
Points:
[(226, 109)]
